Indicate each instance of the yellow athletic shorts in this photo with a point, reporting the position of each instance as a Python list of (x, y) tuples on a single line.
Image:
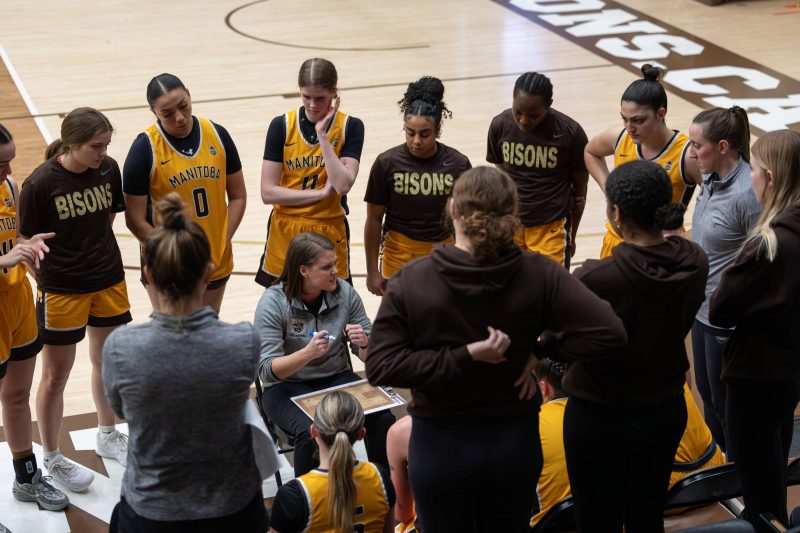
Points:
[(397, 250), (717, 459), (550, 240), (283, 228), (63, 317), (19, 336), (610, 240)]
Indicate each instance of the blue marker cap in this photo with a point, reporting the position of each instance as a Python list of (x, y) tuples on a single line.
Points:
[(327, 337)]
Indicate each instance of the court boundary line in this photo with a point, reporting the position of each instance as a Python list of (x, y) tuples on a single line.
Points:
[(23, 92)]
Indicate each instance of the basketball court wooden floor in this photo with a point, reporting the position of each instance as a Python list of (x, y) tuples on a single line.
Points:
[(240, 60)]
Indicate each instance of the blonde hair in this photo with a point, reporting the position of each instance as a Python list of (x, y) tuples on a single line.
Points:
[(779, 153), (339, 419)]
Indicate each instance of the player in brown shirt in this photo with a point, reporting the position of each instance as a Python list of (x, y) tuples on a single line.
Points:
[(542, 150), (409, 185), (76, 193)]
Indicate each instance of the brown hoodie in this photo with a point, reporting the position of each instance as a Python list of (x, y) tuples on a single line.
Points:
[(762, 300), (656, 291), (435, 306)]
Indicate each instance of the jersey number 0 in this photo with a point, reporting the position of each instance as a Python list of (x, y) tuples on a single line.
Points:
[(200, 202)]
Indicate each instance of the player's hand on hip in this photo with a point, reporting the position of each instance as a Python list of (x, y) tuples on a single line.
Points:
[(492, 349)]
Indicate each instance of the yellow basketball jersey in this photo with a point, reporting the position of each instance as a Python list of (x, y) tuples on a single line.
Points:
[(371, 507), (9, 277), (671, 159), (697, 437), (304, 167), (553, 485), (201, 181)]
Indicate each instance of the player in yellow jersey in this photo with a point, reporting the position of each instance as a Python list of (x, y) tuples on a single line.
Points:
[(311, 159), (19, 340), (409, 186), (697, 449), (553, 484), (343, 494), (645, 136), (196, 158)]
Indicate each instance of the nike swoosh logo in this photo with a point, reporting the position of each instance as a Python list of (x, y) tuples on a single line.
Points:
[(290, 144), (339, 241), (104, 172), (557, 135), (447, 164), (167, 161)]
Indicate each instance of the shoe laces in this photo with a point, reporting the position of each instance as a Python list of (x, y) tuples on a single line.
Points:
[(44, 485), (118, 439), (66, 468)]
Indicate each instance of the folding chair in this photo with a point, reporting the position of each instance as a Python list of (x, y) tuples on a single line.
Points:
[(283, 439), (728, 526), (718, 484)]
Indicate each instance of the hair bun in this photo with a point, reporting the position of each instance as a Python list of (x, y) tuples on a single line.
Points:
[(652, 73), (171, 213), (669, 216), (426, 90)]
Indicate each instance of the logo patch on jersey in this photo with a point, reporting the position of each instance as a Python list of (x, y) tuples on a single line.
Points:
[(335, 142), (668, 166), (298, 324), (8, 202), (212, 150)]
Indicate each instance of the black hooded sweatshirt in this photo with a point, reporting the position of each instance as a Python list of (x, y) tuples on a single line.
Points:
[(434, 306), (656, 291), (762, 299)]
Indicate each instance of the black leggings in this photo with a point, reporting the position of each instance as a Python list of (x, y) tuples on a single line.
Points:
[(760, 416), (474, 475), (281, 410), (619, 460), (708, 343), (252, 519)]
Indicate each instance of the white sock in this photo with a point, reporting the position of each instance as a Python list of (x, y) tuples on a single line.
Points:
[(106, 429)]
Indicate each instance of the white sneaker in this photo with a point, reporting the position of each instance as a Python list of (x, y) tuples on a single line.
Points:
[(113, 445), (73, 476)]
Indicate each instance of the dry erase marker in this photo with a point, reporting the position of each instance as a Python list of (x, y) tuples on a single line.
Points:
[(327, 337)]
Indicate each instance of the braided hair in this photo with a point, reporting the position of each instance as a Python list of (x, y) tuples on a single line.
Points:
[(424, 98)]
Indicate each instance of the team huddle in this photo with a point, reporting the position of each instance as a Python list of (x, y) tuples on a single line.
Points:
[(525, 378)]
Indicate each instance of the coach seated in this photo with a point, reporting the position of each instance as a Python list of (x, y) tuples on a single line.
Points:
[(306, 321)]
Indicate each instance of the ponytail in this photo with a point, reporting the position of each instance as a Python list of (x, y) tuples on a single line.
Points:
[(342, 488), (339, 420), (731, 125)]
